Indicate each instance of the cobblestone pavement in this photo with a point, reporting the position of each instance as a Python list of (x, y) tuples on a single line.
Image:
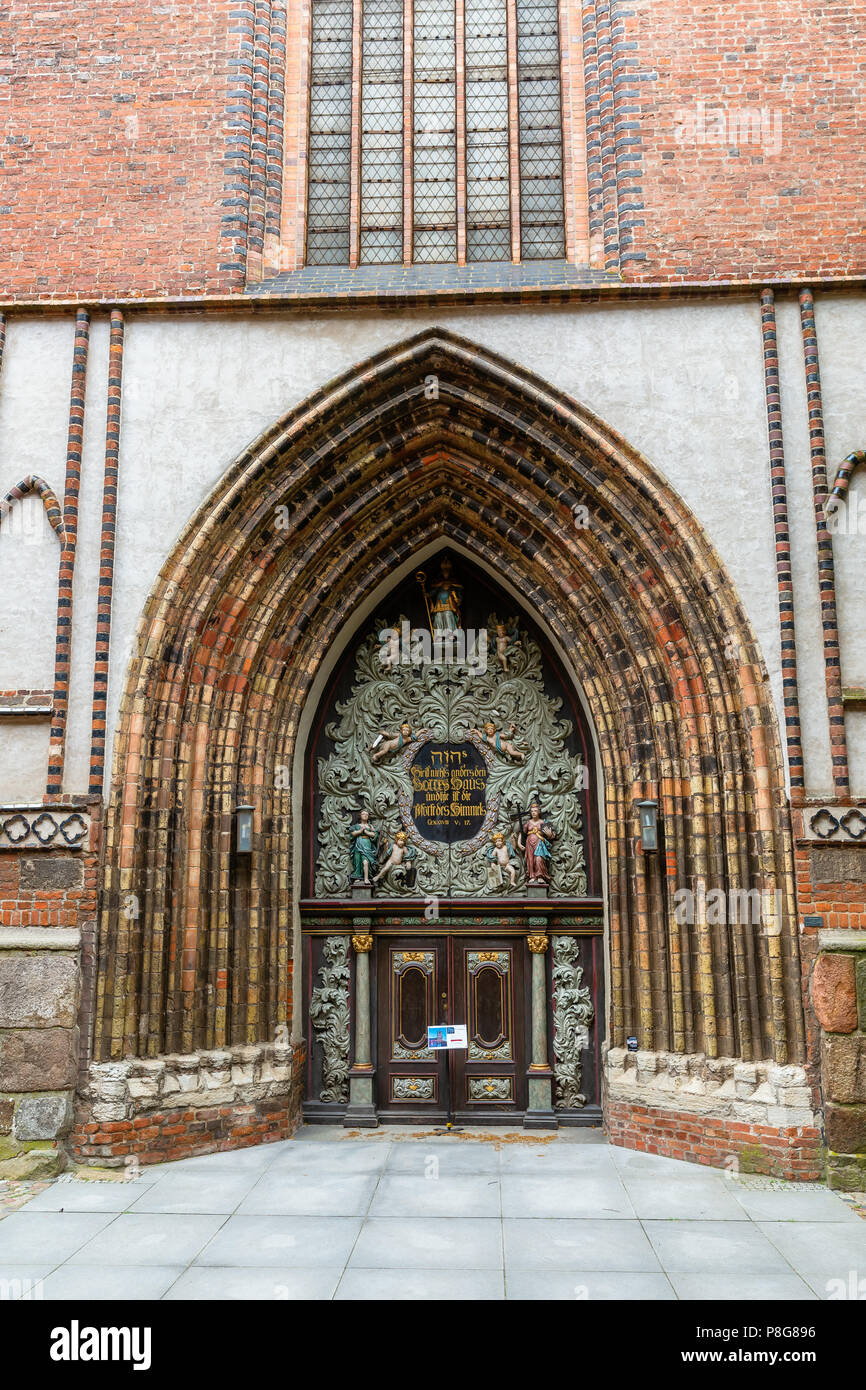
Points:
[(336, 1214)]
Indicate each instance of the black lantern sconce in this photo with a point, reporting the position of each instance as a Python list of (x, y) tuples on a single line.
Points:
[(244, 829), (649, 825)]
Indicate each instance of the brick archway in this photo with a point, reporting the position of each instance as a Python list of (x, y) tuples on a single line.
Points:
[(437, 439)]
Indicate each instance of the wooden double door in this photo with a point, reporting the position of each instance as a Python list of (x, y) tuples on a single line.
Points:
[(476, 981)]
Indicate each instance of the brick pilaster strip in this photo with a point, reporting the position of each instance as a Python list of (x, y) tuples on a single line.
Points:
[(408, 128), (607, 135), (460, 113), (259, 139), (238, 128), (513, 126), (355, 156), (63, 642), (595, 196), (106, 556), (826, 566), (276, 101), (784, 575)]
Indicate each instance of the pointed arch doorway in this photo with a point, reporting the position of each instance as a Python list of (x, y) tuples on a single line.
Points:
[(437, 441), (452, 817)]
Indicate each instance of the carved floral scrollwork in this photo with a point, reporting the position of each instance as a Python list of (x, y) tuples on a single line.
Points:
[(441, 703), (572, 1015), (329, 1017)]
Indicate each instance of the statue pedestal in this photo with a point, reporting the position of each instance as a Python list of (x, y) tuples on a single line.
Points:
[(536, 890), (362, 892)]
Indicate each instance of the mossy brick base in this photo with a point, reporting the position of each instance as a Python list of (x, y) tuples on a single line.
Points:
[(156, 1138), (795, 1154)]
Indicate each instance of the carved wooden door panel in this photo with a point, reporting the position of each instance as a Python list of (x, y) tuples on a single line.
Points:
[(487, 995), (412, 1081)]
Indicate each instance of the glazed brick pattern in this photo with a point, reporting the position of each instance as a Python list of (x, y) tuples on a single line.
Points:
[(795, 1154)]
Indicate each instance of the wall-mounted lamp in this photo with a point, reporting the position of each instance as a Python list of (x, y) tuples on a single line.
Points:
[(649, 825), (244, 829)]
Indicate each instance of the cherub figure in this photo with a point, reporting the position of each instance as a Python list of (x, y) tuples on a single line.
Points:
[(504, 640), (501, 860), (399, 861), (504, 747), (389, 742)]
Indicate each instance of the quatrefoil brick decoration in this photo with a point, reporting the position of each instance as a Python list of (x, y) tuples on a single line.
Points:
[(852, 818), (823, 818), (73, 836), (45, 828), (16, 837)]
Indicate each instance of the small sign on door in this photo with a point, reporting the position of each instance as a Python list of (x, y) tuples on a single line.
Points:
[(447, 1035)]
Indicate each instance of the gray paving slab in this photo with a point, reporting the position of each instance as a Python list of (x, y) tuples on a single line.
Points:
[(197, 1193), (89, 1196), (429, 1243), (732, 1287), (278, 1284), (566, 1195), (305, 1241), (343, 1157), (579, 1286), (148, 1238), (578, 1244), (659, 1198), (557, 1158), (833, 1288), (463, 1194), (405, 1285), (22, 1281), (106, 1282), (303, 1194), (833, 1248), (422, 1159), (47, 1237), (337, 1214), (694, 1247), (793, 1204)]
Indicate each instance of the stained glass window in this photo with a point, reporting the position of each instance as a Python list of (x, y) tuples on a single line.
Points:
[(435, 125), (457, 87), (488, 207), (330, 134), (382, 133), (542, 233)]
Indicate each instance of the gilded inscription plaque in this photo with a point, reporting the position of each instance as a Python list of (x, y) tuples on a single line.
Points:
[(449, 791)]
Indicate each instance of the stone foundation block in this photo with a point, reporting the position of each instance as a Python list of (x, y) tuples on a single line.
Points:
[(845, 1128), (38, 991), (834, 992), (42, 1117)]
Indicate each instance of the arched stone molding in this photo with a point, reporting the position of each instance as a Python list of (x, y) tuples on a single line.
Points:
[(437, 440)]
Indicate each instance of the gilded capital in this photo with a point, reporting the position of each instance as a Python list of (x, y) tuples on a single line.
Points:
[(537, 943), (362, 944)]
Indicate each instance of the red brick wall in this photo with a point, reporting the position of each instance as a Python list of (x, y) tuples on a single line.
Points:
[(113, 154), (127, 124), (781, 1153), (713, 213)]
